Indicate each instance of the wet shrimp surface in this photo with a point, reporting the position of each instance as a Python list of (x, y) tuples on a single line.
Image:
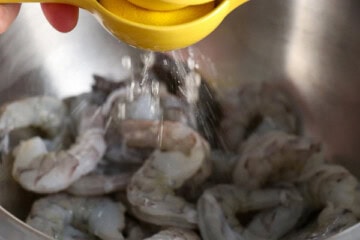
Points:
[(162, 156)]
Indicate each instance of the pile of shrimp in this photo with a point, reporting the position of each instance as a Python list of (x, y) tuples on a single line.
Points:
[(164, 157)]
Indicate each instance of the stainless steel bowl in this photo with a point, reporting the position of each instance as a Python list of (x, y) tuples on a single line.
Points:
[(310, 47)]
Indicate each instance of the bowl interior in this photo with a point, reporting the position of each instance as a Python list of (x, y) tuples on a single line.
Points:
[(310, 48)]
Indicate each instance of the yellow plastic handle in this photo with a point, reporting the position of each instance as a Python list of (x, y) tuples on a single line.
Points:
[(157, 5), (152, 36), (184, 2), (167, 5)]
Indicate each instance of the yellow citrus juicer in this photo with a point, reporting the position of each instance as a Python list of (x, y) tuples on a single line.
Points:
[(158, 25)]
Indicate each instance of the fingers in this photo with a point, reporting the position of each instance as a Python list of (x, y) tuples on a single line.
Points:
[(61, 16), (8, 13)]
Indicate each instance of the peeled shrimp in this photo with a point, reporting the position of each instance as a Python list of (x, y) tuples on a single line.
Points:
[(323, 184), (255, 107), (132, 102), (218, 206), (46, 113), (331, 221), (118, 152), (179, 155), (64, 217), (194, 186), (174, 233), (272, 157), (41, 171), (107, 178), (177, 110), (277, 157)]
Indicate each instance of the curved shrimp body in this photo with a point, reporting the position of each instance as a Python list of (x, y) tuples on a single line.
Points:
[(64, 217), (177, 110), (41, 171), (180, 153), (44, 112), (273, 156), (174, 233), (218, 206), (255, 107), (331, 221), (118, 152), (324, 184)]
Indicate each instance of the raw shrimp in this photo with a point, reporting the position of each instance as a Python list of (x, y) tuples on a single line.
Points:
[(253, 108), (41, 171), (180, 154), (133, 102), (273, 156), (64, 217), (107, 178), (46, 113), (43, 112), (177, 110), (217, 208), (323, 184), (330, 222), (278, 157), (117, 150), (174, 233), (286, 158), (192, 188)]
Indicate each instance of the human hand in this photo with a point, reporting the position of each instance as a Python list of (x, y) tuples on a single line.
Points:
[(62, 17)]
